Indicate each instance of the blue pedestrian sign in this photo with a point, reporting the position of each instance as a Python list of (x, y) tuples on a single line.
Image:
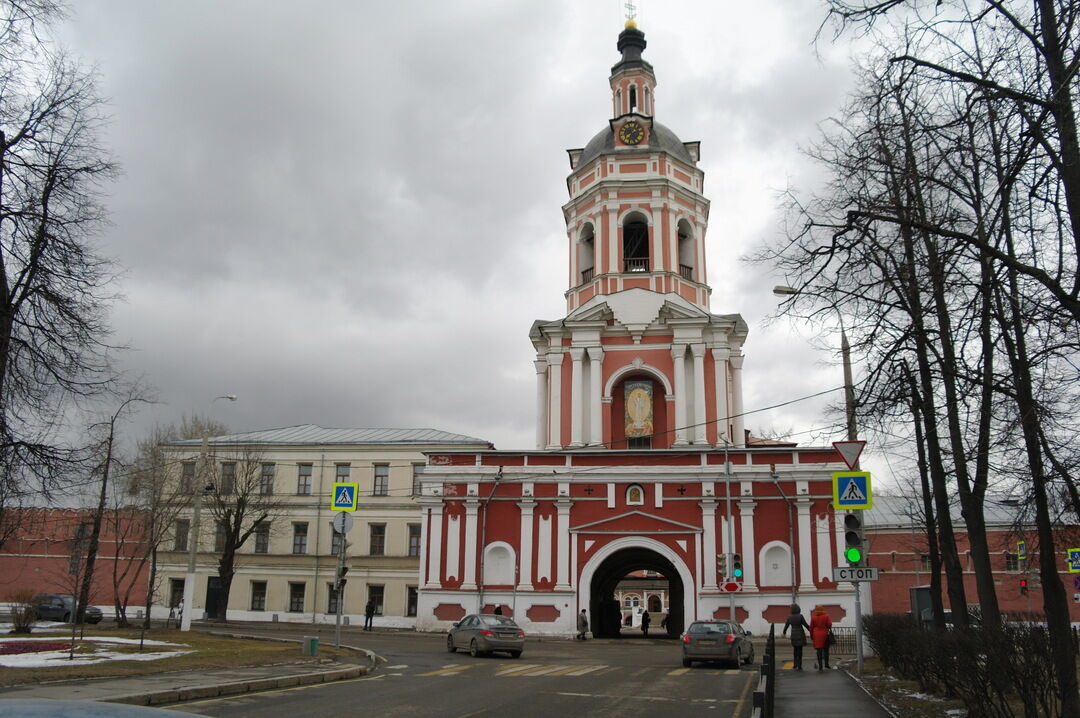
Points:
[(345, 497), (851, 490), (1074, 560)]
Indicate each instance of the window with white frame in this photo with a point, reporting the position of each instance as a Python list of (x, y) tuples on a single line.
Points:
[(382, 480), (303, 479)]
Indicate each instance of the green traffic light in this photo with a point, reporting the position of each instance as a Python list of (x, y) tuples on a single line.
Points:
[(738, 573), (853, 555)]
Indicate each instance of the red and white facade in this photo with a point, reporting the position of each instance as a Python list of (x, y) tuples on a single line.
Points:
[(639, 401)]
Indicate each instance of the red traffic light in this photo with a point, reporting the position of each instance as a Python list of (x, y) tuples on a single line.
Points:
[(1024, 586)]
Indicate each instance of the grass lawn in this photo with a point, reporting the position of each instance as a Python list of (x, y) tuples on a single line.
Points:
[(207, 652), (903, 697)]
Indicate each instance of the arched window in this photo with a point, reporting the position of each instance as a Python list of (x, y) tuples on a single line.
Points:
[(498, 564), (635, 244), (655, 606), (635, 495), (618, 103), (647, 106), (633, 97), (587, 253), (686, 250)]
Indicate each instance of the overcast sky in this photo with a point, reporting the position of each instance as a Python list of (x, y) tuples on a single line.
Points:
[(349, 213)]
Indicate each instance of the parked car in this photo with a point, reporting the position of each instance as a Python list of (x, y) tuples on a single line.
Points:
[(61, 607), (723, 641), (483, 633)]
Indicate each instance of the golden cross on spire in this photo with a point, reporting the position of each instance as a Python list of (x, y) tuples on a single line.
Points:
[(631, 14)]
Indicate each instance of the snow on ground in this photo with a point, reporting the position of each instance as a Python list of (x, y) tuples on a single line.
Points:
[(45, 659)]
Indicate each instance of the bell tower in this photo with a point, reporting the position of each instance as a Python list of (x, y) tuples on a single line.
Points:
[(639, 361)]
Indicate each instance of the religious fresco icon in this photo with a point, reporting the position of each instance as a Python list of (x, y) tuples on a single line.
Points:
[(639, 408)]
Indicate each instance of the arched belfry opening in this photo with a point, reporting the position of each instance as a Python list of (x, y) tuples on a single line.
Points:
[(631, 580), (635, 244), (587, 253)]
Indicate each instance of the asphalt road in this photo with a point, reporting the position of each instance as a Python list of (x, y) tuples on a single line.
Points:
[(632, 677)]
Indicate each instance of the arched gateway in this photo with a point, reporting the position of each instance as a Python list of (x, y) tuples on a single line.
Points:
[(642, 461)]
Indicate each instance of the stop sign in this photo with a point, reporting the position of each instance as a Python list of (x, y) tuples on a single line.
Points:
[(731, 587)]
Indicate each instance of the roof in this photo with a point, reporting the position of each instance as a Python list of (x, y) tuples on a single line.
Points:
[(904, 511), (311, 434), (661, 139)]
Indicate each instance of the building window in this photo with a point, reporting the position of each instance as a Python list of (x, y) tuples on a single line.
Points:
[(417, 472), (220, 530), (337, 542), (382, 480), (303, 479), (258, 595), (176, 592), (410, 601), (1012, 562), (375, 595), (342, 473), (181, 528), (228, 478), (414, 540), (378, 540), (299, 538), (639, 442), (331, 598), (924, 561), (636, 246), (262, 538), (187, 477), (266, 479), (296, 597)]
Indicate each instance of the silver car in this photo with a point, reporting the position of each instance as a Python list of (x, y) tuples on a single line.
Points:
[(483, 633), (724, 641), (61, 607)]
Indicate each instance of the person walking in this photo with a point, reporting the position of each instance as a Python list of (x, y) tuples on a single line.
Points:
[(582, 625), (645, 621), (797, 622), (498, 610), (820, 627), (369, 614)]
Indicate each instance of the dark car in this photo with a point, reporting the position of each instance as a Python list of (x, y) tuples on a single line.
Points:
[(483, 633), (61, 607), (722, 641)]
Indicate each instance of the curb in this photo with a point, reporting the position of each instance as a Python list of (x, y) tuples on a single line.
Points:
[(238, 687)]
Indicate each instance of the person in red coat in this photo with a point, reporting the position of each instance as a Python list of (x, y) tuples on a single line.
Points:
[(820, 626)]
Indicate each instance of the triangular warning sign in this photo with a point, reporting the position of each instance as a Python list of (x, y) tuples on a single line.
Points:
[(849, 451), (853, 493), (344, 497)]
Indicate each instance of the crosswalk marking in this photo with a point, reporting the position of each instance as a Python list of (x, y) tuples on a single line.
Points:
[(585, 670), (517, 669), (446, 671), (575, 670), (678, 671), (549, 671)]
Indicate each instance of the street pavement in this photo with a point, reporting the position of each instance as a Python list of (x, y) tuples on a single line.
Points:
[(799, 694)]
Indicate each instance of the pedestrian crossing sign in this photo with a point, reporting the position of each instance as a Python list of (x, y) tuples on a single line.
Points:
[(1074, 560), (345, 497), (851, 490)]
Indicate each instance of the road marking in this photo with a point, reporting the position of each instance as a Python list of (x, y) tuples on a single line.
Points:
[(550, 670), (517, 668), (654, 699), (445, 671), (403, 665), (678, 671), (585, 670), (745, 690)]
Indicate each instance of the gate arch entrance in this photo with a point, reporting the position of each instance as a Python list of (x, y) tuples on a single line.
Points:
[(603, 572)]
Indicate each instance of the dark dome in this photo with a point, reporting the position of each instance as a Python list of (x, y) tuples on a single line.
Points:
[(660, 139)]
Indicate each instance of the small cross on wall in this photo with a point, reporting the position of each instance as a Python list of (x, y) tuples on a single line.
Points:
[(589, 490), (681, 490)]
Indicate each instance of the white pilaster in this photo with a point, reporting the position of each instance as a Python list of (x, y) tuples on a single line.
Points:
[(554, 438), (806, 555), (824, 542), (708, 522), (698, 433), (541, 403), (596, 377), (562, 539), (434, 546), (468, 577), (678, 352), (738, 425), (525, 555), (577, 404), (612, 238), (749, 548), (720, 369)]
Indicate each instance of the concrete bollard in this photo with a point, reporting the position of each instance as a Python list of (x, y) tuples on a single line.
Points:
[(310, 646)]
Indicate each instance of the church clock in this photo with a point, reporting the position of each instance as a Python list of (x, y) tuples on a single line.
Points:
[(631, 133)]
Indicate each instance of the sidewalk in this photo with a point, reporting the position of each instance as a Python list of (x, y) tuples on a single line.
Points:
[(810, 693)]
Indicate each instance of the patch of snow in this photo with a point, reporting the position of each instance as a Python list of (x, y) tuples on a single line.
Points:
[(47, 659)]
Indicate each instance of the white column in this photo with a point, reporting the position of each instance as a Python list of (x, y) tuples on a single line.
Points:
[(738, 425), (434, 546), (746, 514), (525, 554), (555, 399), (698, 433), (577, 405), (708, 522), (678, 351), (613, 238), (468, 577), (541, 403), (824, 544), (806, 553), (720, 369), (596, 376), (562, 541)]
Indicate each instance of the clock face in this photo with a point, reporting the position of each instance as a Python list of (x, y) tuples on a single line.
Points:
[(631, 133)]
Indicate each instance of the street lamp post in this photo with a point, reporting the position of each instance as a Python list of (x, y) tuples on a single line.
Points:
[(193, 534)]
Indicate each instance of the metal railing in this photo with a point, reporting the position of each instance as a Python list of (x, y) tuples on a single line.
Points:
[(845, 641), (635, 264), (587, 275), (765, 693), (686, 272)]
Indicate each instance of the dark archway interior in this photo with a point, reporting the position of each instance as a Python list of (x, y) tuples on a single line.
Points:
[(605, 610)]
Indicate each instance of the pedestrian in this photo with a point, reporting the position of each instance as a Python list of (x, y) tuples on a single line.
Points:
[(582, 626), (820, 627), (369, 614), (645, 621), (797, 622), (498, 610)]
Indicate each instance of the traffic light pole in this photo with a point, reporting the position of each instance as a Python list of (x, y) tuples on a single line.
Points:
[(339, 583), (730, 524)]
